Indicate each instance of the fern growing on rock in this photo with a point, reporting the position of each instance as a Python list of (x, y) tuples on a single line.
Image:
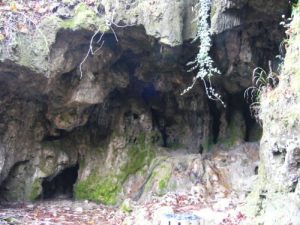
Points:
[(263, 82)]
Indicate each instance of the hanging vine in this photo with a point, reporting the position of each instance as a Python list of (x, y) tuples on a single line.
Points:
[(203, 62)]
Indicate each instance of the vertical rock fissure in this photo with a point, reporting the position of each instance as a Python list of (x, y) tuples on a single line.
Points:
[(215, 114)]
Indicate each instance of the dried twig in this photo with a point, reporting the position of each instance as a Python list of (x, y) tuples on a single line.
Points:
[(110, 23)]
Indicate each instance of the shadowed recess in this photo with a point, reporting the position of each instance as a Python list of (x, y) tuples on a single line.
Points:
[(60, 186)]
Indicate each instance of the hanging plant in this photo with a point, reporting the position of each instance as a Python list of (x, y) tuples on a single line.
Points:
[(203, 62)]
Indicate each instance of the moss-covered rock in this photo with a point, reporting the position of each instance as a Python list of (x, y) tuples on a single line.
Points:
[(160, 177), (99, 189), (279, 149), (126, 206), (85, 18), (139, 154), (105, 184), (36, 189)]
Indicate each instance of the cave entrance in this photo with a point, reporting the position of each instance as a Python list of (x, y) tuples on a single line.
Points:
[(61, 185), (237, 121)]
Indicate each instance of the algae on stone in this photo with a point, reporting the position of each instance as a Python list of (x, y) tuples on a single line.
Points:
[(99, 189), (106, 188), (160, 177), (85, 18), (36, 189)]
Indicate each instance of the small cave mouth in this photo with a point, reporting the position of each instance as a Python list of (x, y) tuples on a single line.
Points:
[(60, 186), (256, 170)]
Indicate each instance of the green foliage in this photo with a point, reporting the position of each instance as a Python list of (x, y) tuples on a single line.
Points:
[(203, 62), (262, 82)]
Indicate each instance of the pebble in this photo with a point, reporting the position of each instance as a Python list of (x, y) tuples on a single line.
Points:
[(79, 209), (30, 206)]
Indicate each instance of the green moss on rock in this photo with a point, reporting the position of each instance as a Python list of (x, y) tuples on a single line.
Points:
[(160, 179), (126, 207), (99, 189), (165, 179), (140, 154), (36, 189), (106, 188), (162, 185), (86, 18)]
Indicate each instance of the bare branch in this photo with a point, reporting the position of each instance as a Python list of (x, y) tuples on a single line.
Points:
[(109, 23)]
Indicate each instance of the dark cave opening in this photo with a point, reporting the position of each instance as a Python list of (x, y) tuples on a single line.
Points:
[(236, 103), (61, 185), (253, 130), (160, 123), (58, 134), (216, 114)]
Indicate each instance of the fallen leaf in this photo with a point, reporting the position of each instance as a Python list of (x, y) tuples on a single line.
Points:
[(2, 37), (13, 7), (42, 10)]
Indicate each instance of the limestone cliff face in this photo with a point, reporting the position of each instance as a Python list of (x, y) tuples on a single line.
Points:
[(277, 194), (122, 116)]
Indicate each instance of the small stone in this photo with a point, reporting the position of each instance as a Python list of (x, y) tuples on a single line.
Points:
[(79, 209), (30, 206)]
